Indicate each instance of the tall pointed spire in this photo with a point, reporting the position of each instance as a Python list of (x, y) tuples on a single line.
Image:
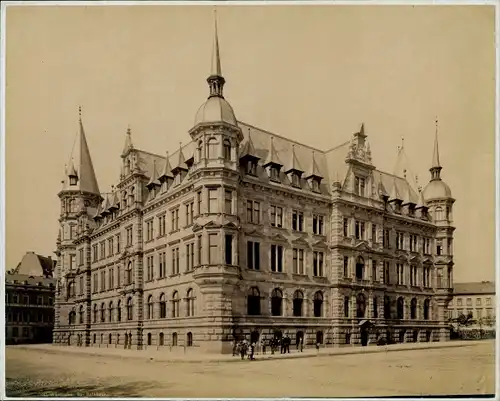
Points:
[(216, 81), (436, 165), (128, 142), (82, 176)]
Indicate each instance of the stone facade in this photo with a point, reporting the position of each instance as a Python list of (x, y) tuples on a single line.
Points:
[(246, 233)]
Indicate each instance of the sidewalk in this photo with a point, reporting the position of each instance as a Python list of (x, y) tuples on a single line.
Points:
[(193, 355)]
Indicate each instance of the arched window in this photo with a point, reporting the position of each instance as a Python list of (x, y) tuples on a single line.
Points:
[(95, 338), (189, 339), (72, 317), (438, 216), (426, 309), (298, 300), (150, 307), (110, 307), (212, 148), (128, 273), (253, 301), (360, 306), (346, 306), (360, 268), (71, 289), (110, 338), (318, 304), (130, 309), (174, 339), (175, 304), (117, 339), (387, 307), (190, 303), (103, 309), (127, 166), (95, 313), (276, 302), (150, 339), (375, 307), (227, 149), (161, 339), (163, 307), (400, 308), (119, 311), (81, 314), (124, 198), (413, 308), (102, 338), (200, 150)]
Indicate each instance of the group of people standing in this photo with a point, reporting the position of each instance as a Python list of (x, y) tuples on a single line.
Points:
[(247, 348)]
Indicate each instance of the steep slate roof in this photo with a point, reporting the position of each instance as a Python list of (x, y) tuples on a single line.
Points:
[(20, 279), (35, 265), (473, 288)]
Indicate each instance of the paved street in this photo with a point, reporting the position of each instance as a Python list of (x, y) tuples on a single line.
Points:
[(454, 370)]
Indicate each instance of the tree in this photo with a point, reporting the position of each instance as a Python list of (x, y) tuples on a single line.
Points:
[(465, 320)]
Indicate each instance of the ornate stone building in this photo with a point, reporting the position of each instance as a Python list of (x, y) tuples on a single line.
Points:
[(245, 232)]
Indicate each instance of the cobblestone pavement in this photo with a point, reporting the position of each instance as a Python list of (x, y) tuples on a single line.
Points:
[(32, 372)]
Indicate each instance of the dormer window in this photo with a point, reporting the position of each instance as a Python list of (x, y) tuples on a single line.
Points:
[(127, 167), (227, 149), (411, 210), (73, 180), (359, 186), (251, 167), (274, 173), (315, 185), (295, 179)]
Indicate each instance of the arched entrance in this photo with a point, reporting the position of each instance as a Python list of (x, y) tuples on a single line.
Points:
[(428, 335), (402, 333), (299, 336), (364, 327), (277, 334), (415, 335), (254, 337)]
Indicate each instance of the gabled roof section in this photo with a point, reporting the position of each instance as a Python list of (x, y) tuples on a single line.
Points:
[(35, 265)]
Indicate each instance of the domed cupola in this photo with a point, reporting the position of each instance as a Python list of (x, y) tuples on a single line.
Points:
[(216, 109), (436, 188)]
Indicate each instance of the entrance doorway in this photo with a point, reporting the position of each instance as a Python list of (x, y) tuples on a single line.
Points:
[(319, 337), (278, 334), (299, 336), (254, 337), (402, 333), (415, 335), (364, 336)]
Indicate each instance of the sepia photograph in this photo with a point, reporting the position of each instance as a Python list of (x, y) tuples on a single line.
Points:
[(249, 199)]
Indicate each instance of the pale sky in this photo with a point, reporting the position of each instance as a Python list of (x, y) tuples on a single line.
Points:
[(309, 73)]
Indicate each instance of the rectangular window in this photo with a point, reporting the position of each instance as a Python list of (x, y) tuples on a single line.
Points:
[(149, 230), (439, 247), (190, 257), (276, 216), (488, 301), (118, 244), (387, 239), (81, 260), (175, 219), (298, 261), (199, 199), (129, 236), (253, 255), (228, 202), (149, 264), (161, 225), (103, 280), (317, 224), (162, 264), (346, 227), (95, 284), (213, 249), (387, 273), (118, 277), (277, 258), (253, 212), (189, 213), (374, 271), (359, 188), (111, 247), (200, 250), (82, 288), (374, 232), (478, 301), (175, 261), (229, 249), (102, 250), (469, 301), (297, 220), (346, 266), (318, 264), (400, 273), (212, 201), (111, 278)]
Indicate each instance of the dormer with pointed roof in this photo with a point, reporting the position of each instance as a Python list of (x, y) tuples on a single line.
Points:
[(248, 156), (128, 146), (294, 170), (395, 197), (359, 149), (153, 181), (273, 163), (166, 177), (314, 177)]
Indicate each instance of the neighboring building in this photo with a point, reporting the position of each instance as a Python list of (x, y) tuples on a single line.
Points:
[(477, 299), (29, 300), (244, 232)]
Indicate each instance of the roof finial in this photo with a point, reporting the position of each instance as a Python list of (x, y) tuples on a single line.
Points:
[(216, 67), (80, 113), (402, 142), (436, 166)]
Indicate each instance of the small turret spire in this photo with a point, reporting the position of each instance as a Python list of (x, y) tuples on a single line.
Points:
[(216, 81), (128, 141), (436, 165)]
